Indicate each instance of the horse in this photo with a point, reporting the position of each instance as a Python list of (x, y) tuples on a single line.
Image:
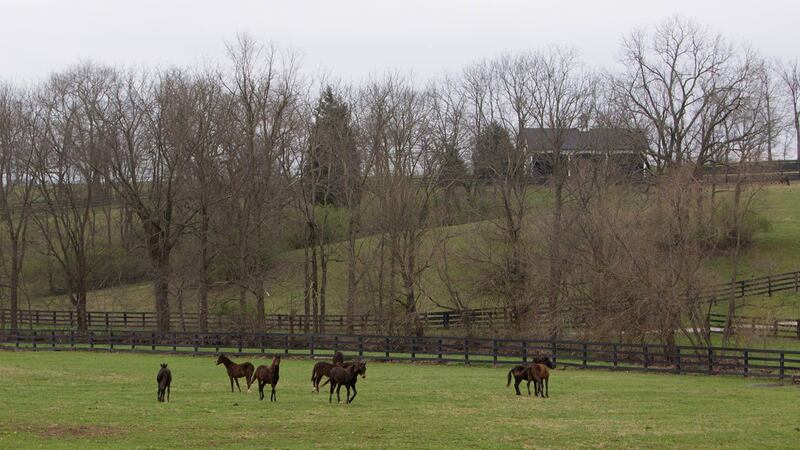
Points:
[(526, 373), (323, 369), (268, 375), (236, 371), (346, 377), (541, 376), (164, 379)]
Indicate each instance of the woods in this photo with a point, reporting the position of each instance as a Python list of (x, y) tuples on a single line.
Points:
[(195, 179)]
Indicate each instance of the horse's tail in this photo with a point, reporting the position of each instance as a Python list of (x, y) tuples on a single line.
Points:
[(508, 382)]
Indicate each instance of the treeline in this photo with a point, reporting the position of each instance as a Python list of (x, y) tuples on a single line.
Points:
[(215, 166)]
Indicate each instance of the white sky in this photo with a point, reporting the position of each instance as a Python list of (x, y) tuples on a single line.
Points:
[(351, 39)]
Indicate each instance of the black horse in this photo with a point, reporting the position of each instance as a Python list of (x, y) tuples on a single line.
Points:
[(164, 379)]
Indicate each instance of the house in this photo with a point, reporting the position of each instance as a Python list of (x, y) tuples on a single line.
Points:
[(622, 150)]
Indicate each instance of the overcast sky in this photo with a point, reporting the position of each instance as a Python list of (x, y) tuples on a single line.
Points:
[(351, 39)]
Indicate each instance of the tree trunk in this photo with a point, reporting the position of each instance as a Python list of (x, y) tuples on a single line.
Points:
[(323, 287), (13, 292), (161, 291), (202, 301), (555, 252), (351, 273), (80, 307), (261, 318)]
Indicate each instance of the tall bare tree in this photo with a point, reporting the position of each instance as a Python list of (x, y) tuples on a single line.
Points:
[(16, 186)]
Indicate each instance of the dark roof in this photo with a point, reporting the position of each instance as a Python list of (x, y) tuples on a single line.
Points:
[(596, 140)]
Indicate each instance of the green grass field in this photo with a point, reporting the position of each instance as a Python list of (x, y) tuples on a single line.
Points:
[(80, 400)]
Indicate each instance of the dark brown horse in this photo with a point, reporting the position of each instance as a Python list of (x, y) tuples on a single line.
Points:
[(164, 379), (526, 372), (268, 375), (323, 369), (236, 371), (347, 377)]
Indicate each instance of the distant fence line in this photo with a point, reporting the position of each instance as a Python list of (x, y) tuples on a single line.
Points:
[(589, 355), (481, 318), (775, 327)]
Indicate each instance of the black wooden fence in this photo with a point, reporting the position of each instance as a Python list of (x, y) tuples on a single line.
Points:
[(590, 355), (483, 318), (781, 328), (120, 320)]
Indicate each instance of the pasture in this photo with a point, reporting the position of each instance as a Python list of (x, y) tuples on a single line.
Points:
[(77, 399)]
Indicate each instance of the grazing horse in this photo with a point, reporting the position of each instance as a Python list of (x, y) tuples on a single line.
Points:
[(323, 369), (236, 371), (526, 372), (268, 375), (346, 377), (164, 379)]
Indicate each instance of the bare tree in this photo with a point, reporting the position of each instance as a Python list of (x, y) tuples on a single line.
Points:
[(16, 186), (790, 74)]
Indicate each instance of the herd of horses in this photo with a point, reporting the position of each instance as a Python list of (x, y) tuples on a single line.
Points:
[(341, 373)]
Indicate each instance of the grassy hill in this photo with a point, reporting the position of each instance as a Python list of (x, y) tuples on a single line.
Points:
[(776, 250)]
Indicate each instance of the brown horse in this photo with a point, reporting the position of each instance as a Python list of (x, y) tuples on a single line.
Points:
[(268, 375), (526, 372), (541, 376), (323, 369), (164, 379), (346, 377), (236, 371)]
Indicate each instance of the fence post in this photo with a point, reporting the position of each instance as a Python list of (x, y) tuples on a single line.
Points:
[(524, 351), (286, 344), (466, 351), (553, 351), (769, 286), (439, 349), (360, 346), (110, 335), (107, 324), (386, 347), (53, 338), (446, 319), (746, 363), (615, 355), (153, 340), (413, 348), (196, 339), (710, 360), (677, 359), (782, 366), (144, 321), (494, 352), (311, 346), (125, 318), (645, 356), (174, 341), (71, 323), (55, 320), (796, 281), (583, 348)]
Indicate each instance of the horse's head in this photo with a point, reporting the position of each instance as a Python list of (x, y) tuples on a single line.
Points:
[(361, 369), (546, 360), (163, 365), (220, 359), (276, 360)]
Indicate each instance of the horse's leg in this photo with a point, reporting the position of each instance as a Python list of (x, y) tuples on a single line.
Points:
[(338, 398), (273, 398), (547, 387), (237, 385), (231, 382), (517, 381), (529, 387), (354, 394), (330, 396)]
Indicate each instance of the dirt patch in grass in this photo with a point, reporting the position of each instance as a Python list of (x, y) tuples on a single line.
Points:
[(77, 431)]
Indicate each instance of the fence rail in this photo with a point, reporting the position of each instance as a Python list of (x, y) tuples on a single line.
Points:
[(467, 350), (116, 320), (781, 328), (499, 317)]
